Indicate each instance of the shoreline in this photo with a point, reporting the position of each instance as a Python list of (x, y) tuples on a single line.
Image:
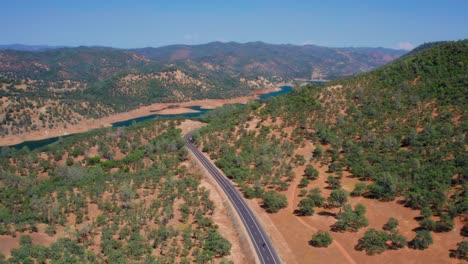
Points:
[(156, 108)]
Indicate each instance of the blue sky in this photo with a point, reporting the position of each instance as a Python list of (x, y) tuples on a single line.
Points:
[(137, 23)]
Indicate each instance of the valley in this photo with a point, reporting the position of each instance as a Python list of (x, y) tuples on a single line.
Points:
[(153, 109), (367, 168)]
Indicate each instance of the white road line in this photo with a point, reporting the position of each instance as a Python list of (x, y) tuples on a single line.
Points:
[(242, 209)]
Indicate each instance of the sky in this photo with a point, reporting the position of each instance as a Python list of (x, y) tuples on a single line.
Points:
[(137, 23)]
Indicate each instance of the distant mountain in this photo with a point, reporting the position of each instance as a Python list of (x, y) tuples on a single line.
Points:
[(287, 61), (92, 82), (398, 133)]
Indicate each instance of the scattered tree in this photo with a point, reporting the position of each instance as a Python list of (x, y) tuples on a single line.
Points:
[(422, 240), (321, 239), (274, 201)]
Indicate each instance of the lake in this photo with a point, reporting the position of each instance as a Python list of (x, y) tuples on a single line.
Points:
[(44, 142)]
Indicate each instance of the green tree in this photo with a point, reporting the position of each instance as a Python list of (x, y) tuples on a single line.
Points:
[(359, 189), (318, 151), (445, 224), (303, 183), (350, 220), (373, 242), (25, 240), (217, 244), (321, 239), (274, 201), (397, 240), (422, 240), (338, 198), (316, 196), (391, 224), (461, 252), (310, 172), (333, 182), (306, 207)]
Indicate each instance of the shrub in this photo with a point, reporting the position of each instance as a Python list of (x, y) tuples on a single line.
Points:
[(311, 172), (321, 239), (359, 189), (422, 240), (461, 252), (274, 201), (391, 224), (306, 206), (350, 220), (397, 240), (373, 242)]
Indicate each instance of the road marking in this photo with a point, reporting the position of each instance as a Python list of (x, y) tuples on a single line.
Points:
[(240, 205)]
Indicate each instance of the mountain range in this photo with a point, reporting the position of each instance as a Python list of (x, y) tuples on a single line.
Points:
[(92, 82)]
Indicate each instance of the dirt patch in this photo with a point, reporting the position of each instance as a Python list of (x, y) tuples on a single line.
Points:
[(38, 238), (190, 125)]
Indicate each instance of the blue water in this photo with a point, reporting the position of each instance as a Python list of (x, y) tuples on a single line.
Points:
[(44, 142), (284, 89)]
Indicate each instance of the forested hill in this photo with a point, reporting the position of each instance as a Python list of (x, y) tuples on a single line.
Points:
[(286, 61), (400, 131), (92, 82)]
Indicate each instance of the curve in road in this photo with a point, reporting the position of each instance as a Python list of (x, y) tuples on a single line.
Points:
[(263, 246)]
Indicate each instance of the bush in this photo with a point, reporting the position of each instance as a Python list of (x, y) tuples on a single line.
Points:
[(373, 242), (427, 223), (359, 189), (391, 224), (461, 252), (217, 244), (25, 240), (304, 182), (397, 240), (274, 201), (350, 220), (306, 207), (316, 197), (338, 198), (50, 230), (311, 172), (321, 239), (422, 240), (445, 224), (333, 183)]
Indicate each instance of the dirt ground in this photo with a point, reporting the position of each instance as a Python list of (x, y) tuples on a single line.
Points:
[(158, 108), (190, 125), (291, 233), (39, 238)]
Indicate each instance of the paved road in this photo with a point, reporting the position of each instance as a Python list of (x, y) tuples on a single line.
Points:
[(265, 251)]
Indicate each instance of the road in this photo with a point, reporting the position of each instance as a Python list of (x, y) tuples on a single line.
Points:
[(263, 246)]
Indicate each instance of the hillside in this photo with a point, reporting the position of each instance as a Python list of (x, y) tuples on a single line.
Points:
[(285, 61), (391, 143), (57, 87), (126, 195)]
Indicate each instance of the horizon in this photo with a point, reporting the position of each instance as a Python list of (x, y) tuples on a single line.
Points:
[(206, 43), (124, 25)]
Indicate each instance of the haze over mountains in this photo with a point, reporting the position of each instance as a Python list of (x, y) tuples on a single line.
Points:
[(92, 82)]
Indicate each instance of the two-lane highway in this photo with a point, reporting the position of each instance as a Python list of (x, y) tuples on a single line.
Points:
[(265, 250)]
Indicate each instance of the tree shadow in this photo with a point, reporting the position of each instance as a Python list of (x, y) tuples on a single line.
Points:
[(419, 228), (326, 213)]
